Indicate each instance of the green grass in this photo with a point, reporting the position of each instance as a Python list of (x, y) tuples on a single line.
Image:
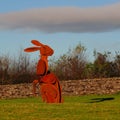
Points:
[(91, 107)]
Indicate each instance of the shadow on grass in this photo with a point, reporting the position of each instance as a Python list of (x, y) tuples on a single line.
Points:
[(95, 100)]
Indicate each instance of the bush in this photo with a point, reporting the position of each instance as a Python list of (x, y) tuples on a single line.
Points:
[(70, 66)]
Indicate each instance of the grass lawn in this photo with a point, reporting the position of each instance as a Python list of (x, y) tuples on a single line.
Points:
[(90, 107)]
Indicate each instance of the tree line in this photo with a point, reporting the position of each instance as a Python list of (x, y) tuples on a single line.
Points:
[(72, 65)]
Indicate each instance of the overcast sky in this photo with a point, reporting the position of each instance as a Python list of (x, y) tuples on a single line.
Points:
[(61, 24)]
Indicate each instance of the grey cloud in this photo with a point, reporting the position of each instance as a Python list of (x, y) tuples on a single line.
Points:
[(64, 19)]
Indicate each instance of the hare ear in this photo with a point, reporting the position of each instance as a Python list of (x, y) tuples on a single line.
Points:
[(35, 42), (31, 49)]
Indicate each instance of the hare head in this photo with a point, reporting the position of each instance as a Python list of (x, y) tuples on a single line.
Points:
[(45, 50)]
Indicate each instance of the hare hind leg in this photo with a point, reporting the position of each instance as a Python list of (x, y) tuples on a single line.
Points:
[(49, 93)]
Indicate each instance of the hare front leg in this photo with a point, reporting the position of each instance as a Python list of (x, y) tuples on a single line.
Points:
[(34, 83)]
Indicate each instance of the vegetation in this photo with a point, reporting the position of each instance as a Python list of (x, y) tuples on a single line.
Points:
[(92, 107), (74, 65), (71, 65), (18, 70)]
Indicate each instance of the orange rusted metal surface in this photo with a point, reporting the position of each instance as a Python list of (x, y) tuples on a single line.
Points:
[(50, 88)]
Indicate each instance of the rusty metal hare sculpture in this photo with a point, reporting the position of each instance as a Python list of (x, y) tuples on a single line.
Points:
[(50, 88)]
